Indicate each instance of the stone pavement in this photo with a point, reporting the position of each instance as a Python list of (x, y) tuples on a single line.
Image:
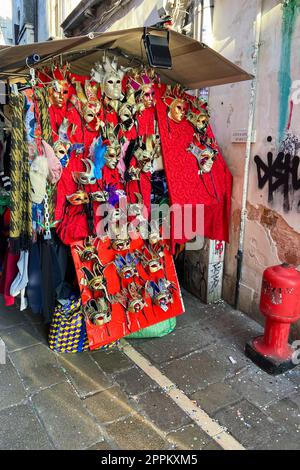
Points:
[(102, 400)]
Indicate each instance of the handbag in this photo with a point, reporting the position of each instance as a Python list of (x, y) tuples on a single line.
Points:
[(67, 331)]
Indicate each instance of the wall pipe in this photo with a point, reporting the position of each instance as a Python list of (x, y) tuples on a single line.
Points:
[(252, 108)]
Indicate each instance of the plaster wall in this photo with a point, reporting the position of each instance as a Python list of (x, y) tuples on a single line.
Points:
[(273, 222)]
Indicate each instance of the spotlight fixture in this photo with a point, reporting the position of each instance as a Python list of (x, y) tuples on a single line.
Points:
[(157, 49)]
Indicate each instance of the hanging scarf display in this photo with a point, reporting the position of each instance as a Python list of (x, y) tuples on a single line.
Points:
[(20, 206)]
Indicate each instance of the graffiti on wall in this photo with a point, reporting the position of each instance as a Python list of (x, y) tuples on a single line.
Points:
[(281, 173), (215, 277)]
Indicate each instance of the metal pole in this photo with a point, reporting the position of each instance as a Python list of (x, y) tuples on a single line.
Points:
[(252, 106)]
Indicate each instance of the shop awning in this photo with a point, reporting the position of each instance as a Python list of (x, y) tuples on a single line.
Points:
[(195, 65)]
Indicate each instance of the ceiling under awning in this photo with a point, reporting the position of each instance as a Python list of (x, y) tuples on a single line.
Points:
[(195, 65)]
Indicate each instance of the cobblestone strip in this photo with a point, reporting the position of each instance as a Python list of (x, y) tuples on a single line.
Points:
[(202, 419)]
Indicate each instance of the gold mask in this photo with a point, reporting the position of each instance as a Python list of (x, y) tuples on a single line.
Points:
[(177, 110), (59, 93)]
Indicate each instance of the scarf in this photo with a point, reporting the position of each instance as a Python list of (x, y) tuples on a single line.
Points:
[(21, 206)]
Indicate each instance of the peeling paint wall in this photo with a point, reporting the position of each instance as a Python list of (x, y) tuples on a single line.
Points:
[(273, 222)]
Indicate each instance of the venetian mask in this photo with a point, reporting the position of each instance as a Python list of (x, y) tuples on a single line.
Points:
[(112, 156), (113, 86), (177, 110), (134, 173), (85, 177), (59, 93), (87, 104), (199, 120), (148, 96), (202, 122), (141, 90), (61, 149), (99, 196), (110, 77), (136, 301), (89, 251), (126, 266), (78, 198), (90, 111), (126, 117), (161, 292), (144, 159), (121, 244), (206, 161)]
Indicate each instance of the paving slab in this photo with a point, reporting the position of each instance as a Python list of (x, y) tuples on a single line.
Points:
[(11, 388), (225, 322), (230, 357), (194, 372), (65, 418), (162, 411), (215, 397), (279, 385), (249, 425), (111, 362), (109, 405), (134, 381), (84, 373), (255, 392), (190, 437), (135, 433), (21, 430), (35, 318), (20, 337), (286, 412), (285, 441), (295, 398), (10, 316), (294, 375), (38, 367), (177, 344)]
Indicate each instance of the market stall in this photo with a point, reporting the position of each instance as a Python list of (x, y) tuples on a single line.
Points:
[(103, 157)]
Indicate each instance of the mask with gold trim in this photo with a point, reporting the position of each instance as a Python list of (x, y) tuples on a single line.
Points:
[(87, 104), (99, 196), (152, 258), (205, 158), (175, 99), (59, 93), (161, 292), (126, 117), (113, 148), (110, 76), (78, 198), (199, 118), (136, 302), (85, 177), (126, 266), (134, 173), (89, 250), (141, 88), (144, 159), (95, 279), (98, 311)]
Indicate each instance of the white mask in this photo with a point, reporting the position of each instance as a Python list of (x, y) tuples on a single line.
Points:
[(113, 87)]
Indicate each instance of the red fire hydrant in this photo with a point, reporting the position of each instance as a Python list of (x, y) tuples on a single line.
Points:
[(280, 304)]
